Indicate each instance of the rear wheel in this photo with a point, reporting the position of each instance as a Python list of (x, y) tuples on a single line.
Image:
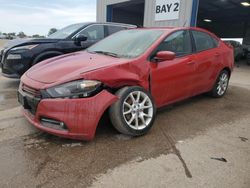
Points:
[(134, 113), (221, 85)]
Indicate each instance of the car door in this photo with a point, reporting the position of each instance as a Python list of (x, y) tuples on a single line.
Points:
[(172, 80), (94, 33), (208, 56)]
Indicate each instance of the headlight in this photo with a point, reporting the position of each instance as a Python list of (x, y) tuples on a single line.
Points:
[(75, 89), (27, 47), (14, 56)]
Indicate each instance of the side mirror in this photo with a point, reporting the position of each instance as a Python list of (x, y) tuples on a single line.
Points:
[(79, 39), (164, 56)]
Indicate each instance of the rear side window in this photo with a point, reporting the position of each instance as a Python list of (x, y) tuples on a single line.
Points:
[(216, 42), (178, 42), (94, 32), (203, 41), (114, 29)]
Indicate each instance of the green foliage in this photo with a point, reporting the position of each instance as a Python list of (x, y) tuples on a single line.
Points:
[(21, 34), (52, 30)]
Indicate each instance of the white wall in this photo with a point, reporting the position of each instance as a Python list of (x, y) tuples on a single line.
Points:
[(184, 15)]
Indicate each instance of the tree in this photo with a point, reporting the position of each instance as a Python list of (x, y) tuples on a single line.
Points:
[(11, 34), (21, 34), (37, 36), (52, 30)]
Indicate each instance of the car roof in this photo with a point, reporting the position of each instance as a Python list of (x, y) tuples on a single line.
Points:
[(172, 29), (86, 24), (113, 23)]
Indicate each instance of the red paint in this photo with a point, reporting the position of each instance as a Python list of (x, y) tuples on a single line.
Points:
[(165, 55), (81, 116), (169, 80)]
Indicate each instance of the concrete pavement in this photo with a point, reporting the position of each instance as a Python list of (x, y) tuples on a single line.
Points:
[(176, 153)]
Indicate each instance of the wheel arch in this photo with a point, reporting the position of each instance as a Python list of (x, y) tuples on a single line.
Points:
[(46, 55), (228, 70), (113, 90)]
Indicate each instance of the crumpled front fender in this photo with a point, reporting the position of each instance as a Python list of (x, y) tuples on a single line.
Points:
[(81, 116)]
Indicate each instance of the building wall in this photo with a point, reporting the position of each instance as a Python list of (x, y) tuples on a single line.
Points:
[(184, 16), (149, 13)]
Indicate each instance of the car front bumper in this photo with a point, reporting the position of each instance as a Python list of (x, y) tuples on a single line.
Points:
[(80, 116), (15, 68)]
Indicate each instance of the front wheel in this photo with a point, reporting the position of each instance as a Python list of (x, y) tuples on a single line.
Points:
[(221, 85), (134, 113)]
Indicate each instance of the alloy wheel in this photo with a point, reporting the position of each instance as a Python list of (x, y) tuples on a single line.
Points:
[(222, 84), (137, 110)]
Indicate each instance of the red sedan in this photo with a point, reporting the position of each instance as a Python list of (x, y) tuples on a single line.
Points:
[(130, 74)]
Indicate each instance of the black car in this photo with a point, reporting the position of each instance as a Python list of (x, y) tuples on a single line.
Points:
[(19, 56), (247, 53), (238, 49)]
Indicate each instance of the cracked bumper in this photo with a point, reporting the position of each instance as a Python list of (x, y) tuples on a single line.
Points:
[(81, 116)]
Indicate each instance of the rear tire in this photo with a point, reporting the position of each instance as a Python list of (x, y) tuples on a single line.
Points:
[(134, 113), (221, 85)]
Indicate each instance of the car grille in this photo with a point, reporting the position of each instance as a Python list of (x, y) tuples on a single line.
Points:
[(32, 98), (31, 91)]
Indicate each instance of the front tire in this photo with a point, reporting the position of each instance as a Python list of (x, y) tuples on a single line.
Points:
[(134, 113), (221, 85)]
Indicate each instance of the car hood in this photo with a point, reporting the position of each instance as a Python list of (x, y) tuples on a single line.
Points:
[(70, 66), (24, 42)]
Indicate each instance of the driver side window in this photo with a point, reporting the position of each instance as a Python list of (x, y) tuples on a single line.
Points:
[(178, 42), (93, 33)]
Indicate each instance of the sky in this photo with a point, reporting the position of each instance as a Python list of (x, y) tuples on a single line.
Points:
[(38, 16)]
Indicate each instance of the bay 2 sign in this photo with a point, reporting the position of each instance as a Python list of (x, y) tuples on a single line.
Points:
[(167, 10)]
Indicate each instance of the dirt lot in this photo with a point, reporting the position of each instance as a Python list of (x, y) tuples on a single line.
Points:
[(177, 152), (2, 42)]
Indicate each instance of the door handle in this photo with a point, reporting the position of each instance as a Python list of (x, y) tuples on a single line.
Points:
[(191, 63)]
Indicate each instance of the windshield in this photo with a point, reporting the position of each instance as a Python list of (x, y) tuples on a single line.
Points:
[(127, 43), (66, 31)]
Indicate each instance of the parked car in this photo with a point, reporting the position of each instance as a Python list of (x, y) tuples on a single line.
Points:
[(130, 73), (246, 49), (22, 54), (248, 55), (238, 49)]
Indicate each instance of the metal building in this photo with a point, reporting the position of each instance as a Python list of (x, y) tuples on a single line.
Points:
[(144, 13), (226, 18)]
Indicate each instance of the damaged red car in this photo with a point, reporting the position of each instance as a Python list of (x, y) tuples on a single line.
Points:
[(130, 74)]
